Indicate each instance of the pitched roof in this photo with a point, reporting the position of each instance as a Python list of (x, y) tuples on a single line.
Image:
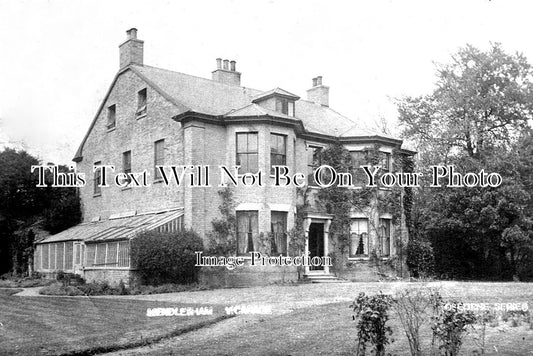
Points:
[(273, 92), (198, 94), (117, 229), (189, 93), (206, 96)]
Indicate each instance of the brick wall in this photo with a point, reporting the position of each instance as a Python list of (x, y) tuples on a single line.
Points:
[(247, 276), (137, 135), (109, 275)]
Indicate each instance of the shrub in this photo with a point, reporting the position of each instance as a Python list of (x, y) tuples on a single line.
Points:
[(222, 240), (25, 282), (450, 327), (411, 306), (60, 289), (167, 288), (166, 257), (69, 278), (97, 288), (420, 259), (371, 313)]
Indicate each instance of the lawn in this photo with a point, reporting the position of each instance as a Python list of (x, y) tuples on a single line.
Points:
[(59, 325), (310, 319), (328, 329)]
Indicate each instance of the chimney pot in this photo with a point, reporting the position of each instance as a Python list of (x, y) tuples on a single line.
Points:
[(132, 33), (226, 72), (319, 93), (132, 50)]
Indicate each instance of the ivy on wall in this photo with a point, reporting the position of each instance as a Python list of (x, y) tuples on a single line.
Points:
[(372, 201)]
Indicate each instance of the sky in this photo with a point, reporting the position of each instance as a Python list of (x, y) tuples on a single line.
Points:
[(58, 57)]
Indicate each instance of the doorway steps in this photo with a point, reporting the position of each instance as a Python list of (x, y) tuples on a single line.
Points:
[(323, 278)]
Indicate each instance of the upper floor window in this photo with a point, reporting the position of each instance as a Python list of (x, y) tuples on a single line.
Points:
[(358, 159), (278, 223), (111, 116), (385, 161), (141, 102), (313, 162), (126, 164), (159, 157), (359, 237), (247, 156), (278, 151), (285, 106), (247, 230), (96, 178)]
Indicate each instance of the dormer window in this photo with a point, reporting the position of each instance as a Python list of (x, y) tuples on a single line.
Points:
[(278, 100), (141, 103), (111, 116), (285, 106)]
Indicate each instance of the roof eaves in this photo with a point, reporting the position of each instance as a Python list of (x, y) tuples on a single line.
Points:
[(372, 138), (408, 151), (190, 115)]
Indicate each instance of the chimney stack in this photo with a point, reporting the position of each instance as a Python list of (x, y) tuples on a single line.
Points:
[(131, 51), (226, 72), (319, 93)]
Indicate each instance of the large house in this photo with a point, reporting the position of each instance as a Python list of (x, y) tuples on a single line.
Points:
[(155, 117)]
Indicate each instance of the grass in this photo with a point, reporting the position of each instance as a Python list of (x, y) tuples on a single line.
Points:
[(55, 325), (329, 329), (82, 326)]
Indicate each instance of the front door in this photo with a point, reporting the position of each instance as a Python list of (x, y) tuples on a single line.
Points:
[(316, 243)]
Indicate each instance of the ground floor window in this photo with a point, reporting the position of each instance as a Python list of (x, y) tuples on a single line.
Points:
[(247, 229), (278, 223), (108, 254), (359, 237), (54, 256), (78, 254), (384, 234)]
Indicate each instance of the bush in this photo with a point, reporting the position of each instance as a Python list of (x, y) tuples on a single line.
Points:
[(60, 289), (412, 306), (25, 282), (98, 288), (69, 278), (420, 258), (450, 327), (167, 288), (166, 257), (371, 313)]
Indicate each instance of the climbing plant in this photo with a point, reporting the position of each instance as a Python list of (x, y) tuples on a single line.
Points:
[(222, 239)]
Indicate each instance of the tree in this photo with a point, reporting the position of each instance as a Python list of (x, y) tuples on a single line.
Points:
[(482, 100), (23, 205), (476, 118)]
